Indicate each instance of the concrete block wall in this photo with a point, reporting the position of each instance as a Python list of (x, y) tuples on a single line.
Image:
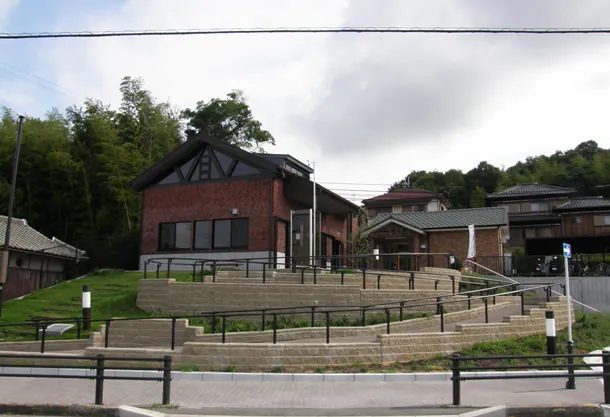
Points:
[(149, 333), (50, 345)]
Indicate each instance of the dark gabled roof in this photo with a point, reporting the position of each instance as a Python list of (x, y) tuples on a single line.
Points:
[(187, 150), (27, 239), (448, 219), (402, 195), (585, 203), (531, 190)]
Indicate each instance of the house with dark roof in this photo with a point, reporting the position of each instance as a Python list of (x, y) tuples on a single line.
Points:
[(209, 200), (35, 261), (436, 234), (408, 200), (531, 210)]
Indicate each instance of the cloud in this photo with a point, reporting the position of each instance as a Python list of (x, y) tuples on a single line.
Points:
[(6, 7), (394, 90)]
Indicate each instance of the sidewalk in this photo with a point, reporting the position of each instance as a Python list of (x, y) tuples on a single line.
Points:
[(303, 395)]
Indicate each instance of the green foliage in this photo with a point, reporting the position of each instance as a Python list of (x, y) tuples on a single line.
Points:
[(583, 168), (229, 120)]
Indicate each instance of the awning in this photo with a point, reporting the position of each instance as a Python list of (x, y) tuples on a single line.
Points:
[(300, 189)]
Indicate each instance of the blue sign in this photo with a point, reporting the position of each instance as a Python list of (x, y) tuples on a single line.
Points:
[(567, 250)]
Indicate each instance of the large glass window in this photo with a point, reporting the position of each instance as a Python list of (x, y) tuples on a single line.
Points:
[(202, 234), (231, 234), (601, 221), (174, 236)]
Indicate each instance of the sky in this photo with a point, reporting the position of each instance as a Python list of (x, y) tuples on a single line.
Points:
[(367, 108)]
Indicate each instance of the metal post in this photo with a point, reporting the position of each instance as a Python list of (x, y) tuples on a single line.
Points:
[(522, 303), (567, 272), (169, 266), (571, 384), (302, 275), (379, 281), (364, 279), (402, 305), (264, 273), (194, 271), (387, 320), (173, 333), (342, 276), (86, 305), (263, 321), (214, 271), (247, 268), (274, 329), (99, 380), (455, 367), (158, 269), (452, 283), (9, 220), (412, 280), (606, 372), (167, 378), (486, 301), (436, 284), (315, 275), (202, 269), (327, 314), (313, 317), (145, 269), (78, 327), (106, 336), (363, 317), (442, 318), (224, 329), (213, 322), (438, 305), (469, 296), (550, 332), (44, 337)]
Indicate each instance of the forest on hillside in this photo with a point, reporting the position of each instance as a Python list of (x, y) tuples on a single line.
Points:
[(75, 166), (586, 168)]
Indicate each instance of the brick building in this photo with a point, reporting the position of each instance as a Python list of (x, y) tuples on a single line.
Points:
[(437, 233), (209, 200), (408, 200)]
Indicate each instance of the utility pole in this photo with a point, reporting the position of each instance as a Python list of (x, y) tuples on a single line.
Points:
[(9, 220)]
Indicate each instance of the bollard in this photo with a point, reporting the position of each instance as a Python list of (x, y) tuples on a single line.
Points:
[(86, 304), (99, 380), (606, 377), (455, 367), (379, 281), (486, 301), (167, 378), (550, 332), (387, 320), (342, 276)]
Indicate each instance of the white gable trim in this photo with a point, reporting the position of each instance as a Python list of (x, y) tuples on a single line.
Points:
[(389, 221)]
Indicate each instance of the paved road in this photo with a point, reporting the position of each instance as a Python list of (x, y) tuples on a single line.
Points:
[(299, 395), (496, 316)]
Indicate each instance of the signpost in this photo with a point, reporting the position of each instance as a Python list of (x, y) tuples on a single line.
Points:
[(567, 254)]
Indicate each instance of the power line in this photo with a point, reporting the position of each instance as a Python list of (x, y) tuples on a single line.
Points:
[(355, 183), (232, 31)]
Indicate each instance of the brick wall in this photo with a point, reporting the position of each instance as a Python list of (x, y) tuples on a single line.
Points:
[(281, 237), (208, 201), (487, 242)]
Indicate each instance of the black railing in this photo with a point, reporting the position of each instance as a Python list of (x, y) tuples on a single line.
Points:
[(98, 363), (436, 303), (457, 370), (543, 266)]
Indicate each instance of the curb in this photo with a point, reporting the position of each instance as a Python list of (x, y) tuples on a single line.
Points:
[(278, 377), (59, 410)]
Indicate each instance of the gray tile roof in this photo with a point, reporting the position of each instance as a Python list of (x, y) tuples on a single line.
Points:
[(531, 190), (448, 219), (26, 238), (583, 203)]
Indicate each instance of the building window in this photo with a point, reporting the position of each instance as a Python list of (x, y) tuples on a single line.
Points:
[(231, 234), (418, 207), (397, 209), (577, 220), (175, 236), (539, 207), (601, 220), (202, 235)]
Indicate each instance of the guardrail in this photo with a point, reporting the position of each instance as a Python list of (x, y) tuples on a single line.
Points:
[(99, 365), (457, 376), (220, 318)]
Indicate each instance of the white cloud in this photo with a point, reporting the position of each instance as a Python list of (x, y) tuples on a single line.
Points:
[(6, 7), (367, 108)]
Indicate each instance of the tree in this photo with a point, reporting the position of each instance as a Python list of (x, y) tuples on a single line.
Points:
[(229, 120)]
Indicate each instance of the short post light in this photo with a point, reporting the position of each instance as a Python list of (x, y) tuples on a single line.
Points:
[(551, 340), (86, 304)]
